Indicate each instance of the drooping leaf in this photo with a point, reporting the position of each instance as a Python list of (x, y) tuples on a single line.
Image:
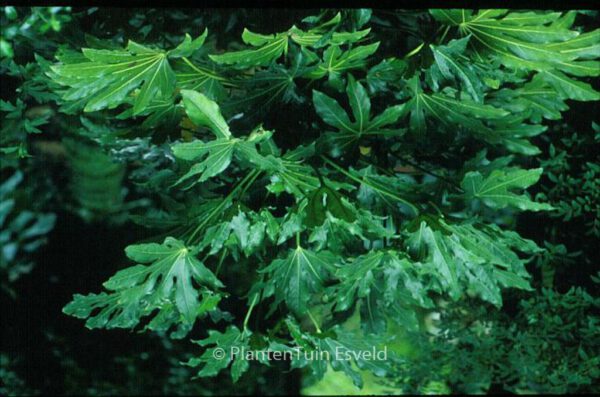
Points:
[(162, 281)]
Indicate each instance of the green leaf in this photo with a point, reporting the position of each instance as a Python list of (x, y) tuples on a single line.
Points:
[(294, 279), (351, 132), (218, 157), (269, 49), (164, 285), (359, 103), (452, 63), (496, 189), (386, 73), (107, 77), (389, 190), (314, 36), (331, 112), (205, 112), (467, 258), (325, 200), (188, 46), (340, 349), (228, 347), (207, 79), (568, 88), (525, 41), (335, 61)]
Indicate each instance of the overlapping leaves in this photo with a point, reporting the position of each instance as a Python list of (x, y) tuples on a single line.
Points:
[(366, 241), (163, 281)]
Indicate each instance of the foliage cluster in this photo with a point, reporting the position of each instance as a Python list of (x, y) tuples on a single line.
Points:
[(344, 179)]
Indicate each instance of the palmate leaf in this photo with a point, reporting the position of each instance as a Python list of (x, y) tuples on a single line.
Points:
[(350, 132), (105, 78), (324, 34), (465, 257), (568, 88), (336, 61), (488, 123), (324, 200), (534, 101), (232, 343), (386, 285), (451, 63), (297, 277), (288, 173), (447, 110), (205, 112), (314, 37), (339, 235), (392, 191), (531, 41), (188, 46), (269, 48), (206, 79), (160, 112), (496, 189), (340, 349), (246, 231), (163, 282), (267, 88), (386, 73), (215, 155)]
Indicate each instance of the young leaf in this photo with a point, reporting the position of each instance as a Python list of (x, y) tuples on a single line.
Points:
[(205, 112)]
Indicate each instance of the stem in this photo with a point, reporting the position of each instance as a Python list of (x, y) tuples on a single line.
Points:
[(417, 166), (208, 73), (217, 210), (201, 71), (220, 262), (256, 174), (314, 321), (250, 311), (436, 208), (415, 51), (444, 35), (297, 239)]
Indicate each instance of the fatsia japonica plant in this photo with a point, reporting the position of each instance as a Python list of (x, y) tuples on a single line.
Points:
[(339, 182)]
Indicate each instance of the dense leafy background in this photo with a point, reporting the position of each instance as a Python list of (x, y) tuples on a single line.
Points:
[(421, 179)]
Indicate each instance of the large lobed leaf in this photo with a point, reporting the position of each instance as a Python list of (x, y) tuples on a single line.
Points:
[(163, 281)]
